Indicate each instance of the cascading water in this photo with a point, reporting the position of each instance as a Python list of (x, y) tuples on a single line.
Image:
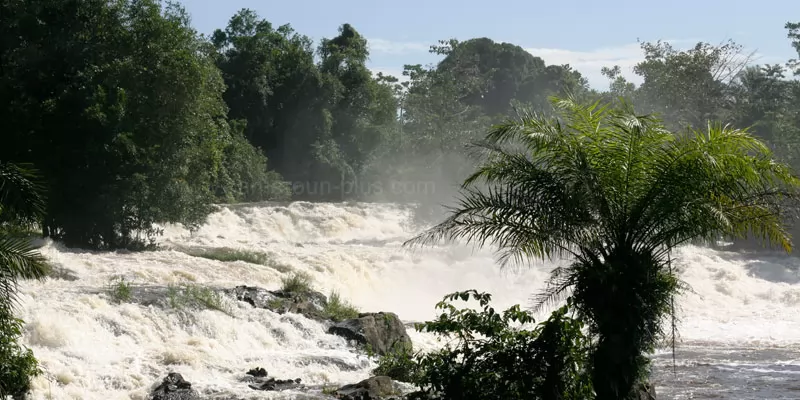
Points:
[(95, 348)]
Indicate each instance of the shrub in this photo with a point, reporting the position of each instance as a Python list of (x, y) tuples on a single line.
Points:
[(298, 282), (338, 309), (17, 364), (494, 357), (121, 290), (197, 296)]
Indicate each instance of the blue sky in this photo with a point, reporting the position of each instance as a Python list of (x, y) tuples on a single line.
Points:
[(585, 34)]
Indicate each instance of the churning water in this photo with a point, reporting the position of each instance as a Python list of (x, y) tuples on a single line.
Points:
[(739, 327)]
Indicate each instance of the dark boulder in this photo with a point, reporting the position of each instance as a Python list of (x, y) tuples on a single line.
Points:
[(381, 332), (259, 380), (174, 387), (272, 384), (310, 304), (374, 388), (258, 372)]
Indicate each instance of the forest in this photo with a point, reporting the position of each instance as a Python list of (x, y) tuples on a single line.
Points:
[(125, 116), (132, 117)]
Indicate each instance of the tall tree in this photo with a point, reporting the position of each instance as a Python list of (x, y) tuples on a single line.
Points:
[(119, 104), (363, 110), (616, 192), (274, 85)]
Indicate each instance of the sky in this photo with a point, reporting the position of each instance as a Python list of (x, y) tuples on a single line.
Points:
[(588, 35)]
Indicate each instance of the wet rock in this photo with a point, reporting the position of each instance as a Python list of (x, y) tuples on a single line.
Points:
[(310, 304), (62, 273), (258, 372), (174, 387), (374, 388), (381, 332), (272, 384), (258, 379)]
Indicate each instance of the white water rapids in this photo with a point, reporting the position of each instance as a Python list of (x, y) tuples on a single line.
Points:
[(94, 348)]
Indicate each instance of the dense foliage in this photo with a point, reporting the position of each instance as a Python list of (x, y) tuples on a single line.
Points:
[(21, 204), (496, 355), (132, 118), (616, 192)]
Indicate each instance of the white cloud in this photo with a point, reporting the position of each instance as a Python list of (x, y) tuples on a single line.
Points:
[(393, 71), (589, 63), (389, 47)]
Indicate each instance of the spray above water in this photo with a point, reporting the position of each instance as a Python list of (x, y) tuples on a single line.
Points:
[(93, 346)]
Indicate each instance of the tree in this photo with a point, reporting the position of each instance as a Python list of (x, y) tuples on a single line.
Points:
[(119, 105), (21, 204), (274, 85), (686, 87), (616, 192), (362, 109)]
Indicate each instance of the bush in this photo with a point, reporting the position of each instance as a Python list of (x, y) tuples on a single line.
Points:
[(338, 309), (197, 296), (17, 363), (493, 357), (298, 282)]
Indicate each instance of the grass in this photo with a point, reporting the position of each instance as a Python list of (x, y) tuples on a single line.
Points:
[(120, 290), (338, 309), (329, 390), (298, 282), (226, 254), (193, 295)]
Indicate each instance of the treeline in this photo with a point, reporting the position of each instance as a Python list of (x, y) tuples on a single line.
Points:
[(132, 117)]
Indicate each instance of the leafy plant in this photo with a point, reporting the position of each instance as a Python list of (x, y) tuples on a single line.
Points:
[(491, 355), (338, 309), (298, 282), (197, 296), (617, 192), (17, 363), (120, 290), (21, 205)]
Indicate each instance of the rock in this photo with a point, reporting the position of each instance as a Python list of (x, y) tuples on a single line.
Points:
[(644, 391), (310, 304), (272, 384), (259, 380), (174, 387), (374, 388), (380, 331), (258, 372)]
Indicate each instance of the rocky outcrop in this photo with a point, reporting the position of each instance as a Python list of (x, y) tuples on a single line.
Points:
[(310, 304), (259, 380), (374, 388), (380, 332), (174, 387)]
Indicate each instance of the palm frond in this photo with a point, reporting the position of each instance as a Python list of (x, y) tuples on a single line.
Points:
[(21, 194), (19, 259)]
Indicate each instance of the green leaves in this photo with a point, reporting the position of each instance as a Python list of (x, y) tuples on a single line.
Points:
[(21, 203), (21, 194), (496, 355), (617, 192)]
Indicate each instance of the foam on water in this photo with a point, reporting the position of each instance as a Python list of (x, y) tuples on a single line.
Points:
[(94, 348)]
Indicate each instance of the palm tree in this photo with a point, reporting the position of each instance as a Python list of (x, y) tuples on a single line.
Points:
[(616, 192), (21, 205)]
